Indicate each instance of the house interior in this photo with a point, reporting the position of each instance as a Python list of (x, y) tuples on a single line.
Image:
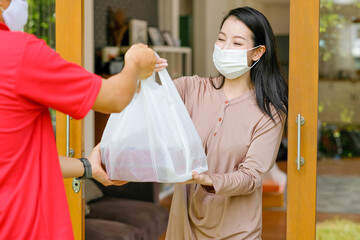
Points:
[(184, 32)]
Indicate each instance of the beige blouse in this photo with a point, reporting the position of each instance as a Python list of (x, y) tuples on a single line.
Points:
[(241, 144)]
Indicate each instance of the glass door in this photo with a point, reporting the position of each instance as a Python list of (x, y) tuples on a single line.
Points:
[(338, 167)]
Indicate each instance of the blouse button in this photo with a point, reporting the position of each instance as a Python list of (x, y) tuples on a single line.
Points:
[(219, 119), (214, 134), (226, 102)]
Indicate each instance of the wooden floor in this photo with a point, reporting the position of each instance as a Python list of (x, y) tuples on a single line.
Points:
[(274, 221)]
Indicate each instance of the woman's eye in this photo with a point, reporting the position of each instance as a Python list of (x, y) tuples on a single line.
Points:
[(220, 39), (237, 44)]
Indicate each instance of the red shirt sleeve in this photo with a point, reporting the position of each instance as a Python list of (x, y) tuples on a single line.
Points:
[(47, 80)]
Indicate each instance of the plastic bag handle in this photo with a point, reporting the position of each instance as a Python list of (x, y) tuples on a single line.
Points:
[(164, 71), (163, 75), (164, 83)]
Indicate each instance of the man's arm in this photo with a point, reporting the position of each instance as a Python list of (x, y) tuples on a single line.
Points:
[(73, 167), (116, 92)]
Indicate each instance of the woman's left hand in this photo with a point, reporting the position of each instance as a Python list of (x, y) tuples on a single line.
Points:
[(161, 63), (202, 179)]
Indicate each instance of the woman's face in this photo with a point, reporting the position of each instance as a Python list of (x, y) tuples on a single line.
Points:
[(234, 34), (4, 4)]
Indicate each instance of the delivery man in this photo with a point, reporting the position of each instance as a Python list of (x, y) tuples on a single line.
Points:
[(34, 78)]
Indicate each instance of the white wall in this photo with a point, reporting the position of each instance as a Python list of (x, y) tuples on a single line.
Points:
[(168, 12), (207, 18), (279, 17), (185, 7), (208, 15), (89, 123), (259, 5)]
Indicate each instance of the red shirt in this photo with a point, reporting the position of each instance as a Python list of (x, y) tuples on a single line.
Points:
[(33, 78)]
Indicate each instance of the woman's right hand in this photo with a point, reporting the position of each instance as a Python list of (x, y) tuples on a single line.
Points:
[(142, 58), (161, 63)]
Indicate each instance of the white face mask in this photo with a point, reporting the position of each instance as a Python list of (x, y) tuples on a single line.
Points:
[(16, 15), (232, 63)]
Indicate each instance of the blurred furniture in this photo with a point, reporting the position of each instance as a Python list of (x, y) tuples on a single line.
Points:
[(272, 196), (274, 184), (128, 212)]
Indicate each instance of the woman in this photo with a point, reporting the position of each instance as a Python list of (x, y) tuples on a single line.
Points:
[(240, 118)]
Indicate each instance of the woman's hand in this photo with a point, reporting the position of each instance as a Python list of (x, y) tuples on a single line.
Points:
[(98, 171), (161, 63), (202, 179)]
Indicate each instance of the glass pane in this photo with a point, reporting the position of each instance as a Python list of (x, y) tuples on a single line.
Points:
[(338, 173)]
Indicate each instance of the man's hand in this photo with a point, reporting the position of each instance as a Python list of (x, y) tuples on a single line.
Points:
[(142, 58), (98, 172)]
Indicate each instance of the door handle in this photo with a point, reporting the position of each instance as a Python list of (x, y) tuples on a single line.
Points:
[(70, 153), (300, 161), (67, 135)]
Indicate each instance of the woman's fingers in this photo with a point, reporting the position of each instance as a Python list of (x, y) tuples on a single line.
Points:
[(160, 60), (161, 63), (196, 176), (160, 67)]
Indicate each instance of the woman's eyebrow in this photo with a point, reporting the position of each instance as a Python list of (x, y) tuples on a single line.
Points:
[(239, 37), (233, 36)]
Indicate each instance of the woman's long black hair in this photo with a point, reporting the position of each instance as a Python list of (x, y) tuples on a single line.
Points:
[(270, 85)]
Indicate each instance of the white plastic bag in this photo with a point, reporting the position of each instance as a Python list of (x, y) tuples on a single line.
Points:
[(153, 139)]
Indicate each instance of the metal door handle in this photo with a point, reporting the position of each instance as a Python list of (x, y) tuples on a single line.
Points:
[(70, 153), (67, 135), (300, 161)]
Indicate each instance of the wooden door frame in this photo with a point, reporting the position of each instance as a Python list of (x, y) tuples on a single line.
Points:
[(303, 99), (70, 45)]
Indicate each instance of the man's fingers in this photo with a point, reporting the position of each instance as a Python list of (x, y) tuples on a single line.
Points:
[(108, 182), (188, 181), (119, 183)]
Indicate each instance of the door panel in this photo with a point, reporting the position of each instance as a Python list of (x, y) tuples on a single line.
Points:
[(303, 85), (69, 44)]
